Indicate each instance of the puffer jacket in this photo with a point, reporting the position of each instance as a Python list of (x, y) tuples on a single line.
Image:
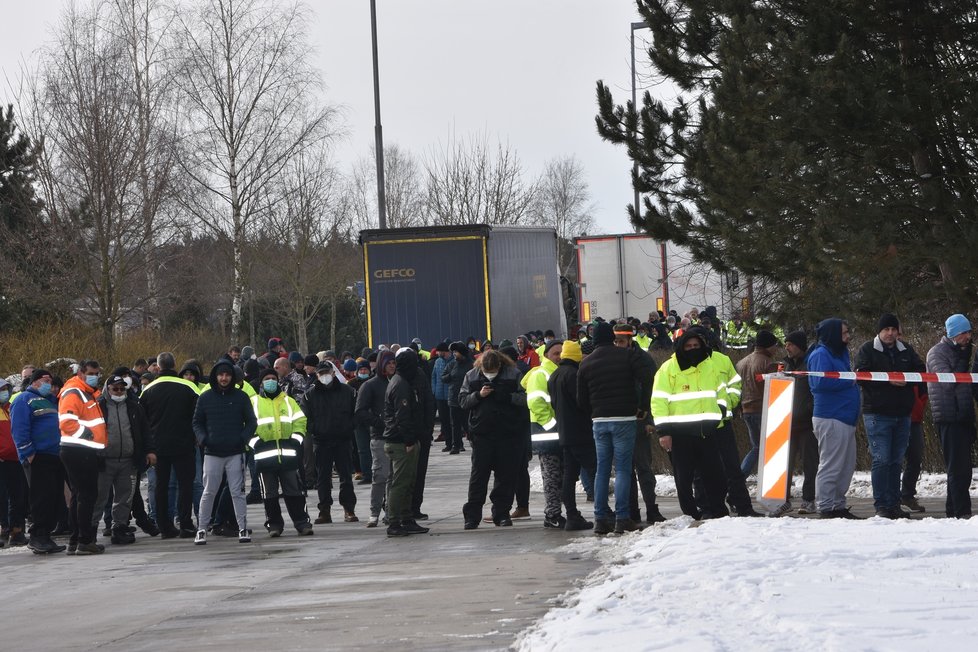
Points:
[(329, 411), (370, 405), (438, 386), (615, 382), (501, 414), (884, 398), (223, 420), (454, 376), (409, 406), (950, 402)]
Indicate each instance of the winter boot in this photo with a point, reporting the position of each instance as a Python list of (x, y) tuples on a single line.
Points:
[(122, 536), (577, 522), (396, 530)]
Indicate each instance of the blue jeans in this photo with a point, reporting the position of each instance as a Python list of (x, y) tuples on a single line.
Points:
[(613, 440), (749, 464), (888, 438)]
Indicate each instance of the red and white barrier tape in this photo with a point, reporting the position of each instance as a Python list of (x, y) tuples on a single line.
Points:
[(882, 376)]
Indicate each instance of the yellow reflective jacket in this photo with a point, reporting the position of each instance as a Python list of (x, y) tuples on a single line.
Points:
[(687, 401), (281, 430)]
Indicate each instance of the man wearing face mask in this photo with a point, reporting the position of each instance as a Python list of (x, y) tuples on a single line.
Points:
[(82, 436), (34, 426), (329, 406), (453, 375), (953, 408), (361, 430), (125, 428)]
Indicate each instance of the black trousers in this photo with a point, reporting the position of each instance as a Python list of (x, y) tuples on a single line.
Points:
[(185, 467), (956, 441), (576, 458), (13, 495), (329, 455), (642, 473), (915, 458), (417, 497), (692, 453), (445, 418), (523, 473), (81, 465), (500, 457), (287, 483), (46, 482), (804, 444), (459, 418)]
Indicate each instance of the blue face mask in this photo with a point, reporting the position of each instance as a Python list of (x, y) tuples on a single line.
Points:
[(92, 380), (4, 395), (44, 389), (363, 375), (270, 386)]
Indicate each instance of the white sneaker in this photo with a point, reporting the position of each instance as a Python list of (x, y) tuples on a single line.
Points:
[(372, 521), (780, 510), (201, 538), (244, 536), (808, 507)]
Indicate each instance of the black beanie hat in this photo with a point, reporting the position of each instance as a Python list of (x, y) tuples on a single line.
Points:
[(603, 334), (798, 338), (888, 320), (765, 339), (310, 360)]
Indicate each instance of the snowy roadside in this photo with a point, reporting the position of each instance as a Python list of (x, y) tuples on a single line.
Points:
[(930, 485), (773, 584)]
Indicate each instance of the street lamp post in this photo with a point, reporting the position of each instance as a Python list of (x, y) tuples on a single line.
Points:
[(378, 129), (638, 205)]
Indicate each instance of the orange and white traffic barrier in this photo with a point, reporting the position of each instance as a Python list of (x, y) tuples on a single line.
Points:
[(773, 479)]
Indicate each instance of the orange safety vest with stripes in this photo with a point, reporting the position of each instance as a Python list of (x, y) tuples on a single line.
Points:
[(80, 417)]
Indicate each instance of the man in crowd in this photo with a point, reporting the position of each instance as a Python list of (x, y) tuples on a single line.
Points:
[(614, 386), (169, 402), (689, 402), (13, 483), (834, 414), (125, 450), (439, 388), (574, 428), (34, 425), (405, 424), (953, 409), (544, 435), (804, 446), (886, 411), (370, 413), (760, 361), (329, 406), (278, 445), (83, 435)]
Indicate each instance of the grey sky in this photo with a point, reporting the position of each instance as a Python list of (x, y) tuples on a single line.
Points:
[(520, 70)]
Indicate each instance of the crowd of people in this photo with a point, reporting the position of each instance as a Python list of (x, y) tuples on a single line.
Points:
[(272, 428)]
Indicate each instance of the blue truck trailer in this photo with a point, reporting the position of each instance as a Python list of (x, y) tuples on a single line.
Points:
[(455, 282)]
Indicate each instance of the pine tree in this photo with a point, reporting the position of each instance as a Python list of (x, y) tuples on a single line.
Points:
[(828, 146)]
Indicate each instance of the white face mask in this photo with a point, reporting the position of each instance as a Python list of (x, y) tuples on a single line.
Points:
[(118, 398), (490, 374), (325, 379)]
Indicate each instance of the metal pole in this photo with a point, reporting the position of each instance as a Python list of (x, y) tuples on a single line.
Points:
[(378, 129)]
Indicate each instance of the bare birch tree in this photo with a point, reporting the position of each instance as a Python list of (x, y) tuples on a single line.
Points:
[(403, 188), (563, 202), (472, 182), (80, 107), (247, 84)]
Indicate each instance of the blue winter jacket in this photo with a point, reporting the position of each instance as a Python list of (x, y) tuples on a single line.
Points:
[(833, 398), (438, 386), (34, 424)]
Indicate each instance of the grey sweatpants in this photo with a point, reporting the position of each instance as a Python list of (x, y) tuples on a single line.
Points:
[(381, 476), (119, 476), (214, 469), (836, 462)]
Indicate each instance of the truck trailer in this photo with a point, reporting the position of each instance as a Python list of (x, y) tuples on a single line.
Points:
[(455, 282), (631, 275)]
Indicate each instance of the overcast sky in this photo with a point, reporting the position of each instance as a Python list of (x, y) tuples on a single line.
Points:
[(523, 71)]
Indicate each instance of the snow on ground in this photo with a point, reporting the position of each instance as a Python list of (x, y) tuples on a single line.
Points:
[(930, 485), (773, 584)]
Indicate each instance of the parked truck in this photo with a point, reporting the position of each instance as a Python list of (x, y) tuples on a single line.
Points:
[(631, 275), (456, 282)]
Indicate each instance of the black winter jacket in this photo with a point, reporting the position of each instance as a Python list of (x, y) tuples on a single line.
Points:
[(370, 405), (573, 424), (803, 402), (501, 414), (881, 397), (224, 421), (409, 405), (950, 402), (454, 376), (329, 411), (615, 382), (138, 426), (169, 404)]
